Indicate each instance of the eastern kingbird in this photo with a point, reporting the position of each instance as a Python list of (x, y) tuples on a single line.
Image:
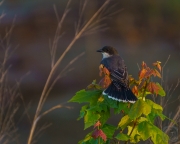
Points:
[(119, 88)]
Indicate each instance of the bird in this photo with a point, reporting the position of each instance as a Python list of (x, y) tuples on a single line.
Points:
[(118, 89)]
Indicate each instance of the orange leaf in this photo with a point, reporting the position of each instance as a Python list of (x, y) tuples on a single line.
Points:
[(142, 73), (157, 64), (148, 73), (106, 71), (101, 69), (156, 73), (142, 83), (97, 124), (143, 65), (135, 90), (130, 78), (153, 88), (105, 82)]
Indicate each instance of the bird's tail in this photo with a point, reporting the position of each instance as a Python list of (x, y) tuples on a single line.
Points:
[(122, 94)]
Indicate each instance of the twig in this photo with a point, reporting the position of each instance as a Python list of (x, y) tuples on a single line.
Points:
[(62, 73), (162, 72), (174, 119), (55, 66), (135, 122), (56, 38)]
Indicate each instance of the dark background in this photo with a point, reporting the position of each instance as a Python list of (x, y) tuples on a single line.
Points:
[(143, 31)]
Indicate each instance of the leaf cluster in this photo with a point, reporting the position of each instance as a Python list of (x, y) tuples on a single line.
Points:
[(137, 122)]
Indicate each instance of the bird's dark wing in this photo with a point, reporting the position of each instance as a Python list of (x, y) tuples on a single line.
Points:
[(118, 71), (120, 77)]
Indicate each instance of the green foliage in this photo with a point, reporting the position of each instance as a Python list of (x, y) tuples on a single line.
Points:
[(137, 122)]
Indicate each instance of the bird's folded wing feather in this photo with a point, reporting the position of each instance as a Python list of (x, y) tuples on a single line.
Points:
[(120, 77)]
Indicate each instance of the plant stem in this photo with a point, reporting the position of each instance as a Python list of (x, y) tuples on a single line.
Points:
[(147, 81), (55, 66), (135, 122)]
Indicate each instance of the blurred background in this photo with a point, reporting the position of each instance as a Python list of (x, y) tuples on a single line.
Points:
[(142, 31)]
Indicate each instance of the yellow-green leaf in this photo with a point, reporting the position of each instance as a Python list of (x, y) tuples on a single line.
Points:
[(139, 108)]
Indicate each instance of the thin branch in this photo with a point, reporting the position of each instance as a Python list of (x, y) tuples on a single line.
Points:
[(134, 125), (41, 129), (178, 82), (174, 119), (162, 72), (51, 109), (61, 75), (55, 66), (59, 27), (81, 11)]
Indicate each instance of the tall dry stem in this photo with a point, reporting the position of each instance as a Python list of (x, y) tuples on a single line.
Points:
[(164, 102), (9, 94), (81, 30)]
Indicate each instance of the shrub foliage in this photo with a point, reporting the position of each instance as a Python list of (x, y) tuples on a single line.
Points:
[(138, 120)]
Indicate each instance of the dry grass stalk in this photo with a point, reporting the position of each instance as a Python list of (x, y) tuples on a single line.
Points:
[(164, 102), (9, 94), (81, 29)]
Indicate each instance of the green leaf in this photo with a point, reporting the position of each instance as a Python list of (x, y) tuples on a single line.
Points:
[(90, 118), (109, 130), (145, 130), (122, 137), (82, 111), (161, 91), (135, 137), (155, 113), (101, 107), (104, 116), (141, 119), (103, 110), (86, 139), (86, 96), (110, 102), (122, 106), (154, 105), (124, 122), (158, 136), (139, 108)]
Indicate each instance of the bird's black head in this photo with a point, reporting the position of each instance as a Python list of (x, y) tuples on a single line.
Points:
[(109, 50)]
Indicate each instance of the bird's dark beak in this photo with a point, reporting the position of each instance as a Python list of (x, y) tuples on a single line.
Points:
[(100, 50)]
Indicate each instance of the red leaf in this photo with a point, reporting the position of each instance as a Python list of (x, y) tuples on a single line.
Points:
[(153, 88), (102, 135), (95, 134), (99, 133)]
